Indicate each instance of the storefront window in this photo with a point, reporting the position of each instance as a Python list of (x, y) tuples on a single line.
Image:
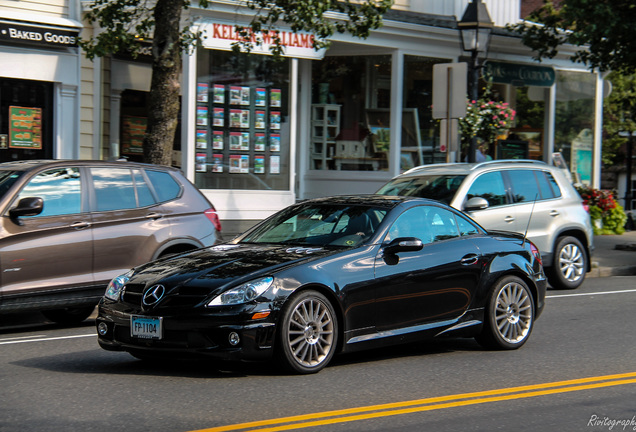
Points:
[(350, 117), (242, 126), (530, 117), (574, 122), (420, 132), (134, 120), (26, 120)]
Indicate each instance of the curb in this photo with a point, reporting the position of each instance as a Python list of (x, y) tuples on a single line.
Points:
[(611, 271)]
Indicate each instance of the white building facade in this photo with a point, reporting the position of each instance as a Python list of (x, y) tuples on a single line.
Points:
[(257, 135)]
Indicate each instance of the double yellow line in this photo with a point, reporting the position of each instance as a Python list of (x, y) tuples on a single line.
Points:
[(429, 404)]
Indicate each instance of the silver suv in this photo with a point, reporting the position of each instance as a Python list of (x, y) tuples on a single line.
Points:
[(523, 196)]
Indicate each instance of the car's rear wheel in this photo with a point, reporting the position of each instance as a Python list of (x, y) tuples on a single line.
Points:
[(569, 265), (69, 316), (308, 333), (509, 315)]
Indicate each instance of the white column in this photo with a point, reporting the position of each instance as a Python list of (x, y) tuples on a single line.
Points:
[(67, 132), (115, 108), (598, 133), (293, 125), (397, 72), (550, 122), (188, 113)]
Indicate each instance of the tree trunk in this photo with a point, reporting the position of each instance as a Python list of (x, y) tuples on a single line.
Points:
[(165, 85)]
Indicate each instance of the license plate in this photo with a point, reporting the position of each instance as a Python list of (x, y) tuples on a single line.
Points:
[(146, 327)]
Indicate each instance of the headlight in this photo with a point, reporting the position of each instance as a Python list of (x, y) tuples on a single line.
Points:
[(243, 293), (113, 291)]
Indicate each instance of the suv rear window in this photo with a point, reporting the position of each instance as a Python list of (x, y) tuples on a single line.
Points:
[(166, 187), (438, 187), (528, 185)]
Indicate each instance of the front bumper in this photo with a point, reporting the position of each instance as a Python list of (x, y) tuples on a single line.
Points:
[(194, 334)]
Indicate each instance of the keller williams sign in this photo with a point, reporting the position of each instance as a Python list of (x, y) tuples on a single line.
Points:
[(221, 36)]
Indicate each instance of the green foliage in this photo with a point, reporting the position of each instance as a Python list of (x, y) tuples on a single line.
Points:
[(619, 112), (125, 24), (357, 19), (607, 216), (532, 113), (603, 29)]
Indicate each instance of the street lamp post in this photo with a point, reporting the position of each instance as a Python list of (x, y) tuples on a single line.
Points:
[(475, 28)]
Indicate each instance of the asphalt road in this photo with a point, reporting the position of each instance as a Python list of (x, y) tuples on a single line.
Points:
[(576, 373)]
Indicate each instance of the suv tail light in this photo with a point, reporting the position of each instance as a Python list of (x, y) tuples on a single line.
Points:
[(535, 252), (214, 218)]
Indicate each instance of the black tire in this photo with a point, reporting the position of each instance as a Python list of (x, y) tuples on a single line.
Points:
[(569, 264), (69, 316), (307, 334), (509, 315)]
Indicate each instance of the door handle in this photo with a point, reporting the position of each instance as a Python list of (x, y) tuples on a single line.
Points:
[(154, 216), (80, 225), (509, 219), (554, 213), (470, 259)]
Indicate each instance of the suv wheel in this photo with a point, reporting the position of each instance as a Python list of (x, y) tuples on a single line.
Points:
[(569, 265)]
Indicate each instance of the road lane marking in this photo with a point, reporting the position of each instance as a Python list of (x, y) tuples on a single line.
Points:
[(22, 337), (429, 404), (591, 294), (42, 339)]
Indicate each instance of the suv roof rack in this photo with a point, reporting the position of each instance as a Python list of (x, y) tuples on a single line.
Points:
[(507, 161), (472, 166)]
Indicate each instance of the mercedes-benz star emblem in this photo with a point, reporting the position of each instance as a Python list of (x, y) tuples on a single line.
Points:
[(153, 295)]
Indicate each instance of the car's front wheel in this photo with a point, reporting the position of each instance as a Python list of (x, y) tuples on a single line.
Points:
[(308, 333), (509, 315), (569, 265)]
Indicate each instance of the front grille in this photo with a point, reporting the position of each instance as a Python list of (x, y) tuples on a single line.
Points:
[(183, 296), (133, 294)]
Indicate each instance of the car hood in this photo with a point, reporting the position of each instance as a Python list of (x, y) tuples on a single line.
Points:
[(219, 265)]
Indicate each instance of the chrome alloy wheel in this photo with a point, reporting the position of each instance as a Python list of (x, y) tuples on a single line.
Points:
[(513, 313), (310, 334), (571, 262)]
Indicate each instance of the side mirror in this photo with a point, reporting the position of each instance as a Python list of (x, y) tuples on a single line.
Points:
[(476, 203), (30, 206), (403, 244)]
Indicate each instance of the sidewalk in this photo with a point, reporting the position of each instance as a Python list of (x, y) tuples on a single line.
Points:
[(614, 255)]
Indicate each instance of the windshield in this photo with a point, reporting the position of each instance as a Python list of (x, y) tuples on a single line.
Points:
[(319, 225), (438, 187), (7, 179)]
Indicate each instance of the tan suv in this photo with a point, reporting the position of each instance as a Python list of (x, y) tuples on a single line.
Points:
[(69, 227), (514, 195)]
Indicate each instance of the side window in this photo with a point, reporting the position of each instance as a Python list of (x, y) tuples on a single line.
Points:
[(443, 225), (411, 223), (114, 189), (59, 188), (553, 184), (545, 188), (489, 186), (524, 186), (428, 223), (143, 191), (466, 227), (166, 187)]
